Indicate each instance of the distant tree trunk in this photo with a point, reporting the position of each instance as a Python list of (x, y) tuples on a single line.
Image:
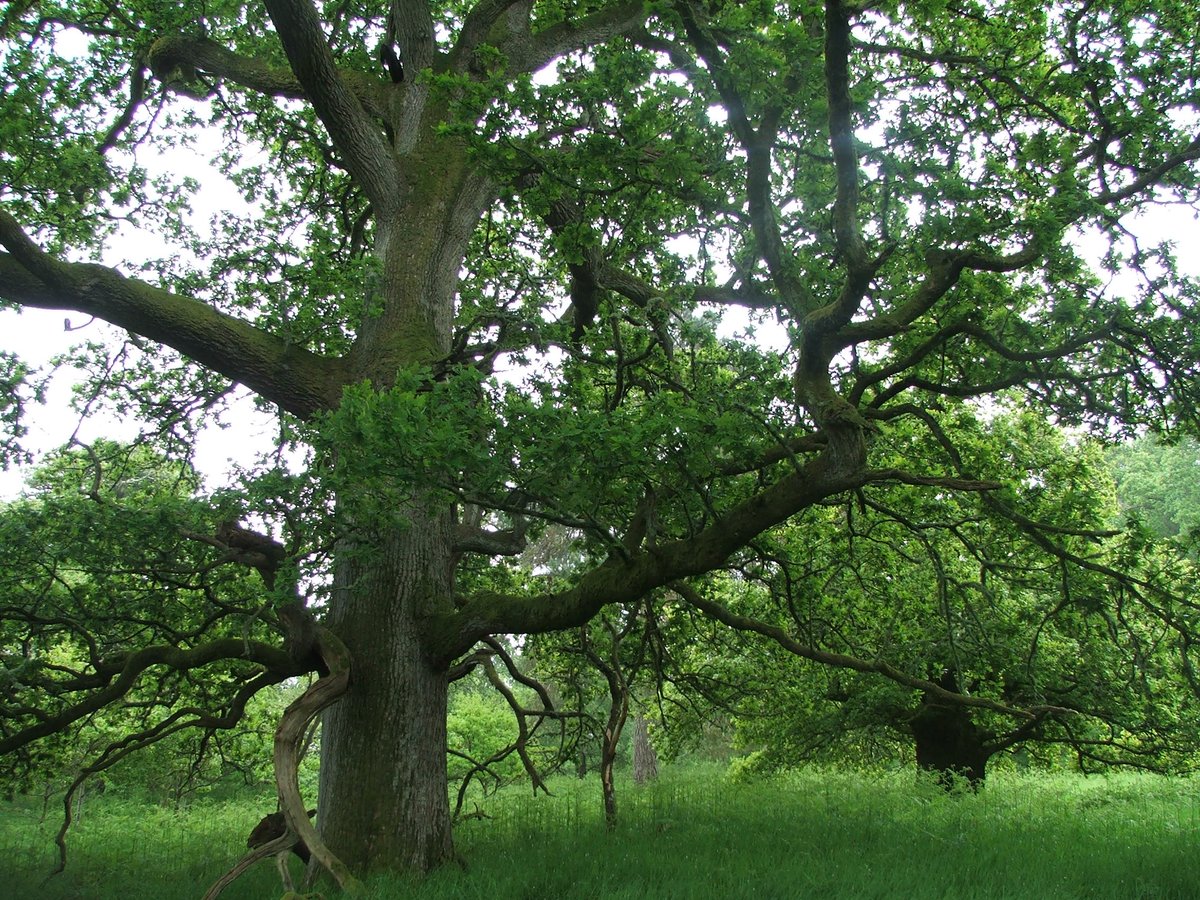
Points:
[(80, 797), (645, 760), (949, 743)]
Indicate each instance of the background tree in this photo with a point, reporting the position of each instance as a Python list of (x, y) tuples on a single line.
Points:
[(481, 300), (602, 667), (1097, 651), (1160, 484)]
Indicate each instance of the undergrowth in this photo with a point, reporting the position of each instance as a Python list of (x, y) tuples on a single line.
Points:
[(692, 834)]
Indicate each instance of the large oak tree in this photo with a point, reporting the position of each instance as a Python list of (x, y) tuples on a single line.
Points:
[(480, 285)]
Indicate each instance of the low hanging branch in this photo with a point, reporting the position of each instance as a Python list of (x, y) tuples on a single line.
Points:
[(189, 717), (840, 660), (289, 740)]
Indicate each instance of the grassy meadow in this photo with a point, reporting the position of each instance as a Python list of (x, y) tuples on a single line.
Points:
[(692, 834)]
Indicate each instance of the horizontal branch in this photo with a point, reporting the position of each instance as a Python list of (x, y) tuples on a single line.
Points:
[(113, 679), (505, 542), (176, 53), (939, 340), (609, 21), (997, 71), (299, 381), (874, 476), (626, 577), (750, 298)]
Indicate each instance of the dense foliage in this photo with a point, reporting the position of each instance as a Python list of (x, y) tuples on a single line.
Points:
[(727, 293)]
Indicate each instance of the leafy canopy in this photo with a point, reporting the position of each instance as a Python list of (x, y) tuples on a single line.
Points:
[(497, 294)]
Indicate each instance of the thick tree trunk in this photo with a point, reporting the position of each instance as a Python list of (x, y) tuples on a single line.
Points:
[(949, 744), (383, 801)]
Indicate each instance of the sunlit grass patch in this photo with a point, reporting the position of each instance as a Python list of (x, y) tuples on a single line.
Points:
[(696, 834)]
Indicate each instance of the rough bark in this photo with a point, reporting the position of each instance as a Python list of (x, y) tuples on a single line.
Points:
[(645, 760), (383, 796)]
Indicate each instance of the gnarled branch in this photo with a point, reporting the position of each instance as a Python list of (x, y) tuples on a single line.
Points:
[(289, 739)]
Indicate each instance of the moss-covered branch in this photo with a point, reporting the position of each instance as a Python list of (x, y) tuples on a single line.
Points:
[(300, 381), (622, 578)]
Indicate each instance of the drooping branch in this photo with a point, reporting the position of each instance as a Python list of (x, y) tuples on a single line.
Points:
[(483, 657), (280, 845), (113, 679), (523, 731), (181, 719), (842, 661), (300, 381), (618, 709), (517, 675)]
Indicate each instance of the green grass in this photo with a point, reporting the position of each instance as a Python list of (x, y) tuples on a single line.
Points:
[(695, 834)]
